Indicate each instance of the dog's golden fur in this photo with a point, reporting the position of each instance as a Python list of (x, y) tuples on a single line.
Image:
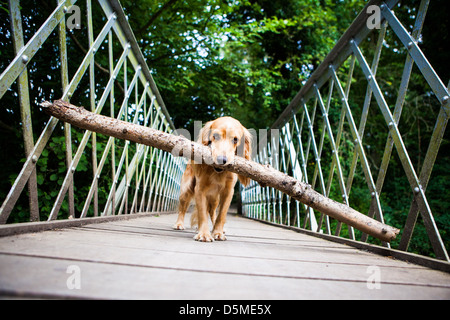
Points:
[(213, 188)]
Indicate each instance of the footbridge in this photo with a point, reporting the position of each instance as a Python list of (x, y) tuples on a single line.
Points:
[(85, 215)]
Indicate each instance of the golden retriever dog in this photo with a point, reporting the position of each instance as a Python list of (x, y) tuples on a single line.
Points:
[(211, 187)]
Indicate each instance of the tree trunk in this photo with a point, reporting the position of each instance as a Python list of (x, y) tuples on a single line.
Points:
[(180, 146)]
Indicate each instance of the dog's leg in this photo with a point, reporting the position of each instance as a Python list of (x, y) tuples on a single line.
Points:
[(185, 200), (225, 199), (186, 193), (203, 229), (213, 203)]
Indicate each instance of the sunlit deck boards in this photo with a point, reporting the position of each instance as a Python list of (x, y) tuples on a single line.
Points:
[(145, 259)]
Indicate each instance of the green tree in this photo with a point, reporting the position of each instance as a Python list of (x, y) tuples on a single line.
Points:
[(241, 58)]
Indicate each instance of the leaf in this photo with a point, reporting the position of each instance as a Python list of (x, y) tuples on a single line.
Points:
[(40, 179)]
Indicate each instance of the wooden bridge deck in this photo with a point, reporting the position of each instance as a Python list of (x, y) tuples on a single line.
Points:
[(144, 258)]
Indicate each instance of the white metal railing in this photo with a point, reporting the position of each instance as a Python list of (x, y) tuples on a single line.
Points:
[(304, 142), (111, 78)]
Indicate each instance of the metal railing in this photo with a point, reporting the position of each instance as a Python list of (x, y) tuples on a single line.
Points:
[(308, 144), (109, 70)]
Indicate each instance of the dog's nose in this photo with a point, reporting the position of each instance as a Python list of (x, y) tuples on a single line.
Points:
[(221, 159)]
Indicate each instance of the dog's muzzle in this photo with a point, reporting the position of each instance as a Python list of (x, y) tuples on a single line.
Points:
[(220, 160)]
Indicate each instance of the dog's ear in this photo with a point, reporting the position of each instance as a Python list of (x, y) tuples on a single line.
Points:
[(248, 145), (204, 134), (247, 155)]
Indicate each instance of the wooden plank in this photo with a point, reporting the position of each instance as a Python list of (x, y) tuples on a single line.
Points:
[(113, 281), (146, 258), (19, 228), (429, 262)]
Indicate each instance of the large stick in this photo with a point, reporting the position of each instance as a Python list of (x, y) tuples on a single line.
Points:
[(181, 146)]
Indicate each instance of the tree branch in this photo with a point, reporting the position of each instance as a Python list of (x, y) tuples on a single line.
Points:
[(180, 146), (155, 16)]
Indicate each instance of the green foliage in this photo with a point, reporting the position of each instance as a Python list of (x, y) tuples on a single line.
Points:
[(240, 58)]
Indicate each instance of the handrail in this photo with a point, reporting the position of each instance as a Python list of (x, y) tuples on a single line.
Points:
[(305, 126), (132, 178)]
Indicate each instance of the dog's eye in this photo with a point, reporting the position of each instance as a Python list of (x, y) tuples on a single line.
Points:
[(235, 140), (216, 136), (209, 143)]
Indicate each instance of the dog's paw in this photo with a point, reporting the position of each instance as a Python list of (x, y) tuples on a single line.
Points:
[(220, 236), (203, 237), (179, 226)]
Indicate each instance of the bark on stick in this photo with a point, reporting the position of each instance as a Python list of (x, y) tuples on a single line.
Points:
[(180, 146)]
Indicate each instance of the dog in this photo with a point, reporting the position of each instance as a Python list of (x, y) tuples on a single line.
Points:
[(212, 187)]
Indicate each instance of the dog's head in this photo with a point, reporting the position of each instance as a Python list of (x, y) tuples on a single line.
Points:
[(227, 137)]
